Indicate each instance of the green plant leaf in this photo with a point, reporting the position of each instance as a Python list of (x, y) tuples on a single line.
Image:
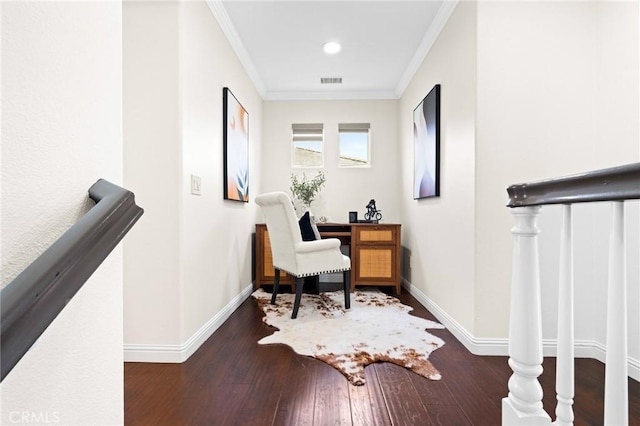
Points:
[(305, 190)]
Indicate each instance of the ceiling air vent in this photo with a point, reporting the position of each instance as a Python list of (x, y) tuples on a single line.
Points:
[(331, 80)]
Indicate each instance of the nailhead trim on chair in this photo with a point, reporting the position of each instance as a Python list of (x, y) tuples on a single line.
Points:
[(324, 272), (316, 273)]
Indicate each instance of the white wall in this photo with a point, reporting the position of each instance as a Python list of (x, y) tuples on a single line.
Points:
[(62, 131), (346, 189), (536, 120), (152, 171), (618, 118), (530, 90), (215, 234), (557, 94), (440, 232), (190, 263)]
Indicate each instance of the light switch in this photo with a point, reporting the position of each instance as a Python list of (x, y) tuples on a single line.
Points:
[(196, 182)]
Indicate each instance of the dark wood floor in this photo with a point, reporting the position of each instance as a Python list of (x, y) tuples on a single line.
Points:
[(231, 380)]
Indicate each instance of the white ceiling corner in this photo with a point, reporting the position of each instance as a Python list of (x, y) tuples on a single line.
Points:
[(219, 12), (443, 15), (384, 43)]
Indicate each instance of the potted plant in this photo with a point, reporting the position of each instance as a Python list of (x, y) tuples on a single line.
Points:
[(304, 191)]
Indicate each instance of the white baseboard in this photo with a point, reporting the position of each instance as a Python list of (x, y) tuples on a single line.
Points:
[(594, 350), (180, 353), (500, 346), (475, 345)]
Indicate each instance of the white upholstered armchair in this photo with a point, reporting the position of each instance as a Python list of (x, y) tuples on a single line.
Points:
[(297, 257)]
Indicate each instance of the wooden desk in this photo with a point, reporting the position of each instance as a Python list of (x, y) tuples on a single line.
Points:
[(374, 252)]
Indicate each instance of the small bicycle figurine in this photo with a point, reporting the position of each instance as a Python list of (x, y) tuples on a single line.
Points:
[(372, 212)]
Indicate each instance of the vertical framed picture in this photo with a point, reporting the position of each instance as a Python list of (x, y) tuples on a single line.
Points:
[(236, 148), (426, 151)]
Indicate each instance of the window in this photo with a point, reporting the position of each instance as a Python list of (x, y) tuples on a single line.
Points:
[(307, 145), (354, 144)]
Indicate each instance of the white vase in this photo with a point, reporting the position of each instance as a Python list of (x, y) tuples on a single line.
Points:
[(300, 208)]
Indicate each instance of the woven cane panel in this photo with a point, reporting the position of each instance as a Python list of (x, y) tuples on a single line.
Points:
[(375, 263), (376, 235), (268, 257)]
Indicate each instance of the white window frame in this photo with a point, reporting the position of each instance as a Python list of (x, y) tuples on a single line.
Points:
[(307, 132), (355, 128)]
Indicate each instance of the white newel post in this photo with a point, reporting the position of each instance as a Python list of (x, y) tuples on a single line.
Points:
[(564, 361), (523, 406), (616, 411)]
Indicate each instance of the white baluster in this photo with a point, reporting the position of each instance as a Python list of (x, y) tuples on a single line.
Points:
[(616, 410), (564, 362), (523, 406)]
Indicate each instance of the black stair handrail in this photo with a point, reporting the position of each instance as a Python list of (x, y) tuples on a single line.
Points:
[(35, 297), (611, 184)]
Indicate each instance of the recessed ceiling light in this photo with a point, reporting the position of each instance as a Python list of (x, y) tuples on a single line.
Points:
[(331, 47)]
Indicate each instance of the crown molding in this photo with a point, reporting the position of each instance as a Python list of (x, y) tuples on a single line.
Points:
[(439, 21), (219, 12), (329, 95), (442, 16)]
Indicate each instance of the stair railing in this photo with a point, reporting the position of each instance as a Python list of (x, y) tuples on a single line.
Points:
[(524, 402), (38, 294)]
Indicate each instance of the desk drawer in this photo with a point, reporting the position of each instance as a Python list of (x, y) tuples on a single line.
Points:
[(376, 234), (375, 254), (376, 263)]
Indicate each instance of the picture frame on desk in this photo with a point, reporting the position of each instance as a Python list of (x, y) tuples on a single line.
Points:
[(353, 217)]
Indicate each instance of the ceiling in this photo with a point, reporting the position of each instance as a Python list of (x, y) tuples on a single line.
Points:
[(280, 44)]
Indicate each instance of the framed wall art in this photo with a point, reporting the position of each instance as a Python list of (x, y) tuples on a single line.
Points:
[(236, 148), (426, 140)]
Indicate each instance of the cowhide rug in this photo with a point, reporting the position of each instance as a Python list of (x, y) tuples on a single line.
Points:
[(376, 328)]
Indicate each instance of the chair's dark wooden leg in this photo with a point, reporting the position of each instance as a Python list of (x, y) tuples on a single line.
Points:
[(346, 276), (276, 284), (296, 304)]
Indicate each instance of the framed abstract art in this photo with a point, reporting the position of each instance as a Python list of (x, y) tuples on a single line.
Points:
[(426, 140), (236, 148)]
